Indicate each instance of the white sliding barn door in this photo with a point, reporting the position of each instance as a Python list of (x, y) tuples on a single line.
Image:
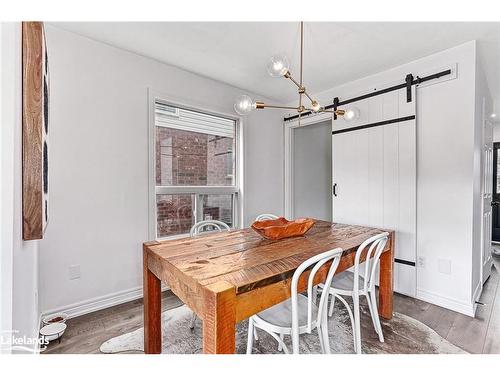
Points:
[(374, 176)]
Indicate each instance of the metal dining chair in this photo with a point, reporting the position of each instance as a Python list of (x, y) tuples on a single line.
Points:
[(266, 217), (203, 227), (299, 314), (353, 285), (208, 226)]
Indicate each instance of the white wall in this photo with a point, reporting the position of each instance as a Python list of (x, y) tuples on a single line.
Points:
[(482, 95), (98, 170), (19, 267), (445, 170), (6, 187)]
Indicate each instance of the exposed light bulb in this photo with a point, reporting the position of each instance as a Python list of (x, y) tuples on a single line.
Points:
[(493, 115), (351, 114), (278, 66), (244, 105)]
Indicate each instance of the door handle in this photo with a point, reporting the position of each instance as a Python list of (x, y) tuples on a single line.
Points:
[(334, 190)]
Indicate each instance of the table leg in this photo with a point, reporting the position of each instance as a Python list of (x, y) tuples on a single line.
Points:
[(219, 322), (386, 281), (152, 309)]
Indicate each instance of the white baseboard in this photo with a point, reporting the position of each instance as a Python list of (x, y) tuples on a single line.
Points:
[(99, 303), (463, 307)]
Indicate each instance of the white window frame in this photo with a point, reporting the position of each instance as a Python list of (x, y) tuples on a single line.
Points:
[(235, 190)]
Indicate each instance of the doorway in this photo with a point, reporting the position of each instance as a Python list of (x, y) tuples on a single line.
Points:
[(312, 170)]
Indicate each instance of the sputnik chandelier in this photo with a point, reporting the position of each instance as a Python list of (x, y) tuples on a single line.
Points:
[(278, 66)]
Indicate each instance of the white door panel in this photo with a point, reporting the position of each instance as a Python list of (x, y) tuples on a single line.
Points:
[(352, 208), (375, 177), (390, 105), (405, 279), (374, 170), (407, 220), (390, 199)]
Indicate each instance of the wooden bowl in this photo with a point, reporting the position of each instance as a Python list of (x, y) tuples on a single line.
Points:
[(282, 228)]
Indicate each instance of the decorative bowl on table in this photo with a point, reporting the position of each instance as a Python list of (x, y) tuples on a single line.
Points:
[(280, 228)]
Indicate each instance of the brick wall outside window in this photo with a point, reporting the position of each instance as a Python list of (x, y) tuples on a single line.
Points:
[(185, 158)]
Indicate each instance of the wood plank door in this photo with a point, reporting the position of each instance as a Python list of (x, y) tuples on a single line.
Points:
[(374, 175)]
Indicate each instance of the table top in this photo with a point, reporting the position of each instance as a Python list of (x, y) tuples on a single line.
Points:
[(248, 261)]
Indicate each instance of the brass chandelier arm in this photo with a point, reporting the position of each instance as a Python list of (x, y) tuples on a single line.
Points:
[(301, 108), (261, 105), (303, 89), (301, 51), (309, 97), (338, 112), (289, 76)]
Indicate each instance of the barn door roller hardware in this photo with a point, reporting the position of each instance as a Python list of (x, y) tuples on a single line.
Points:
[(409, 81), (335, 105)]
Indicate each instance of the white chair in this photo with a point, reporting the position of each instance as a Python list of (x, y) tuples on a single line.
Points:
[(266, 217), (298, 314), (349, 284), (199, 228), (211, 225)]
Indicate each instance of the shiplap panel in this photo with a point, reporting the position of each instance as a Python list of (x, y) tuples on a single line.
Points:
[(351, 209), (376, 162), (375, 172)]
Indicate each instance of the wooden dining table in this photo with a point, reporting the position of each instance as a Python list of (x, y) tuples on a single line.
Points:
[(226, 277)]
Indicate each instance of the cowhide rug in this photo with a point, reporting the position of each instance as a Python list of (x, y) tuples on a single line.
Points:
[(402, 334)]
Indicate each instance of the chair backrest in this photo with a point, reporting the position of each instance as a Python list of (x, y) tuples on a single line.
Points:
[(201, 226), (266, 217), (316, 262), (376, 246)]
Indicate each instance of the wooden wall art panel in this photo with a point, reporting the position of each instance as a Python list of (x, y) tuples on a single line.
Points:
[(36, 91)]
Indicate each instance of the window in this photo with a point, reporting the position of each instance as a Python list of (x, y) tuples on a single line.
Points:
[(195, 169)]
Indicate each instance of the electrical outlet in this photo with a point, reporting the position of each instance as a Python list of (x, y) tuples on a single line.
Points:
[(74, 272), (421, 262), (444, 266)]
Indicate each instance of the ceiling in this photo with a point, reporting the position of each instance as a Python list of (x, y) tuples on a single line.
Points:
[(335, 52)]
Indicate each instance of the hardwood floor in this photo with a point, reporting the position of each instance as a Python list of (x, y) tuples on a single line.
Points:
[(481, 334), (475, 335), (86, 333)]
